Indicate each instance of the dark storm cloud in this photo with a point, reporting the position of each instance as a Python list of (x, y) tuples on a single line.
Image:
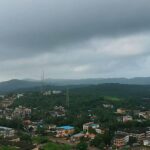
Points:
[(43, 25), (74, 38)]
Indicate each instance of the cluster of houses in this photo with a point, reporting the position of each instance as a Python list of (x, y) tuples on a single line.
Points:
[(21, 112), (90, 129), (58, 111), (18, 112), (142, 137), (10, 113), (9, 134), (124, 115), (121, 138), (69, 131), (6, 132), (6, 102)]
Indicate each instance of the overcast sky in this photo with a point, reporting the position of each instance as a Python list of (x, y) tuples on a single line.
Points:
[(74, 38)]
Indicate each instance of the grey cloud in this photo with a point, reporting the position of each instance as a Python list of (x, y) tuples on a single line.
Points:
[(44, 25), (74, 38)]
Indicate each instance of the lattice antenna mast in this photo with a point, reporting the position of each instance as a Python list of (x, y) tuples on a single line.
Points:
[(42, 81), (67, 98)]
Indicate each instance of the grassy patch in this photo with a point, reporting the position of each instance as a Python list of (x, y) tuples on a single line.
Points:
[(7, 148), (113, 99), (53, 146)]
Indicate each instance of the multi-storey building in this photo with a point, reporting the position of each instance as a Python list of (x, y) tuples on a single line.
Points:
[(121, 140)]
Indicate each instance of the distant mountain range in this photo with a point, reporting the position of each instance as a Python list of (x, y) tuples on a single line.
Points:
[(15, 84)]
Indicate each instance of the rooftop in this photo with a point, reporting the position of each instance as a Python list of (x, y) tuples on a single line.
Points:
[(66, 127), (5, 128)]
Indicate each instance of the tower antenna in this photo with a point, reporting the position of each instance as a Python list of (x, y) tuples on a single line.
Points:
[(42, 81), (67, 98)]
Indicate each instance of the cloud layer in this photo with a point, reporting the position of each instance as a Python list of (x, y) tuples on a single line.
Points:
[(74, 38)]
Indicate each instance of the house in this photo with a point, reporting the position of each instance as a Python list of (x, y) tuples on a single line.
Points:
[(145, 114), (21, 112), (92, 125), (77, 137), (59, 111), (51, 126), (6, 103), (14, 139), (101, 130), (90, 136), (57, 114), (47, 93), (108, 106), (6, 113), (6, 132), (121, 111), (121, 140), (127, 118), (146, 142), (59, 108), (148, 132), (64, 131), (19, 95), (56, 92), (139, 135)]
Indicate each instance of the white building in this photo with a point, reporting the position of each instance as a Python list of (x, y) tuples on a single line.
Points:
[(127, 118), (92, 125), (108, 106), (20, 95), (146, 142), (21, 112), (6, 132)]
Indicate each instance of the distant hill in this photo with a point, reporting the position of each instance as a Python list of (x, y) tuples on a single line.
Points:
[(15, 84), (12, 85), (94, 81)]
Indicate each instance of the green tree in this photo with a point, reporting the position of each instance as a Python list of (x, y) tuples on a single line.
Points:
[(82, 146)]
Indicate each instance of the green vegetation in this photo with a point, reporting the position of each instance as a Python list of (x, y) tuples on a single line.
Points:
[(53, 146), (113, 99), (86, 105), (7, 148), (40, 140), (83, 99)]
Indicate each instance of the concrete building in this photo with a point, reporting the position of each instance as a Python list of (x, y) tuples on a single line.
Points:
[(127, 118), (121, 140), (64, 131), (121, 111), (21, 112), (6, 132), (148, 132), (108, 106), (146, 142), (88, 125), (77, 137)]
